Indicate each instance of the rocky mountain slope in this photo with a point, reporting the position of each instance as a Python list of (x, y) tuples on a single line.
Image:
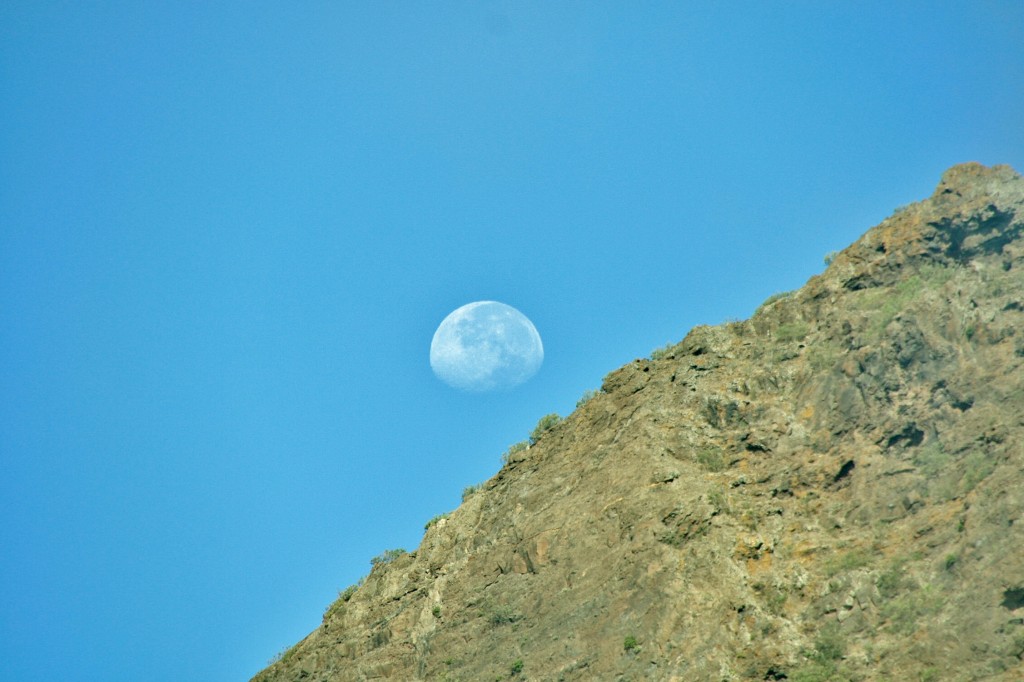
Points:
[(830, 490)]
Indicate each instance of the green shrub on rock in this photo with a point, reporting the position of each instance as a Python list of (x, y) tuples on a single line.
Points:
[(663, 352), (514, 449), (435, 519), (587, 396), (386, 557), (471, 490), (546, 423)]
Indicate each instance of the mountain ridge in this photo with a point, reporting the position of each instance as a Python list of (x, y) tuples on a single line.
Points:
[(828, 490)]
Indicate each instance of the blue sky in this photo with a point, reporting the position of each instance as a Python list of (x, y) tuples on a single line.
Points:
[(229, 230)]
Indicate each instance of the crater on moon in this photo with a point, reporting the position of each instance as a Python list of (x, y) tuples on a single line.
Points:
[(486, 346)]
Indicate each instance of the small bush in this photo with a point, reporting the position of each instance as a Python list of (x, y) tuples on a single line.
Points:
[(347, 593), (772, 299), (892, 582), (282, 656), (906, 611), (471, 490), (587, 396), (386, 557), (663, 352), (774, 596), (847, 561), (502, 615), (829, 257), (436, 611), (711, 458), (434, 520), (829, 646), (517, 666), (630, 644), (822, 356), (815, 672), (514, 449), (792, 331), (932, 460), (977, 466), (717, 499), (546, 423), (343, 597)]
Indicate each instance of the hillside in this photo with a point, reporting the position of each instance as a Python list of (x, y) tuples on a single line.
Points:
[(830, 490)]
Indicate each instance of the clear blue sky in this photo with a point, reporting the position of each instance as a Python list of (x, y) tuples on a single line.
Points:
[(228, 231)]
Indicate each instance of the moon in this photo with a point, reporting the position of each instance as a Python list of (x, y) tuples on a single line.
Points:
[(486, 346)]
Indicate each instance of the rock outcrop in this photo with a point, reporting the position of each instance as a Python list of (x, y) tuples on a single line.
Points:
[(830, 490)]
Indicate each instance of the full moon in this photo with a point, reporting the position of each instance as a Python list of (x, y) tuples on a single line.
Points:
[(486, 346)]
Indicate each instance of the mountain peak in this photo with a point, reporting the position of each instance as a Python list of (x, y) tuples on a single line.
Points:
[(828, 490), (973, 181)]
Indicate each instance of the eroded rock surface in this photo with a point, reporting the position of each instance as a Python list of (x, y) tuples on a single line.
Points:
[(829, 490)]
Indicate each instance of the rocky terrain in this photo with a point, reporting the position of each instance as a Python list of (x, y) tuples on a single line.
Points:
[(830, 490)]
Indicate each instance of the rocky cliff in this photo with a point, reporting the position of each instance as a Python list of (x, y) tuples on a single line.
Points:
[(830, 490)]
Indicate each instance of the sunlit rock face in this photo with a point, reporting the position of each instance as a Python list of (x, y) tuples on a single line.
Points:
[(830, 490)]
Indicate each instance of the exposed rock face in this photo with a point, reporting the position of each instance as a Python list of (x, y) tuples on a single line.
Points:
[(829, 490)]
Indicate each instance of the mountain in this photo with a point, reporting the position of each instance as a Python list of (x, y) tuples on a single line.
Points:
[(830, 490)]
